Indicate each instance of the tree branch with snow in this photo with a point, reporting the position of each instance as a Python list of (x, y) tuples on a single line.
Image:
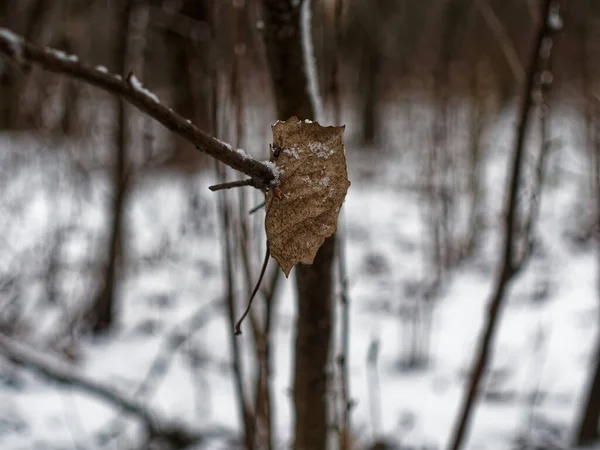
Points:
[(131, 90)]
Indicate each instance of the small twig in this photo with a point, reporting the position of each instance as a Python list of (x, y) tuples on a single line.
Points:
[(16, 48), (256, 208), (501, 35), (60, 373), (237, 330), (245, 410), (234, 184), (162, 361), (344, 340)]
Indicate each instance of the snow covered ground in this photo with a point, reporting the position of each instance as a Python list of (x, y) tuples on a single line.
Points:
[(547, 333)]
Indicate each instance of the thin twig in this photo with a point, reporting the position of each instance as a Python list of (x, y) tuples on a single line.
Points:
[(237, 330), (16, 48), (233, 184), (507, 270), (160, 365), (238, 372), (507, 47), (256, 208), (28, 358), (345, 339)]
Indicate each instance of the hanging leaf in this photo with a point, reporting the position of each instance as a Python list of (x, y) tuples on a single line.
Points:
[(313, 180)]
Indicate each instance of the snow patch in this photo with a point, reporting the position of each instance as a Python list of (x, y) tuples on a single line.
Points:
[(137, 86), (62, 55), (293, 152), (102, 69), (555, 21), (242, 153), (324, 181), (14, 41), (321, 150), (277, 171)]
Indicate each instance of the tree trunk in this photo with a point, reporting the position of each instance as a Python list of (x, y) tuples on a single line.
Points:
[(588, 428), (314, 323), (101, 315)]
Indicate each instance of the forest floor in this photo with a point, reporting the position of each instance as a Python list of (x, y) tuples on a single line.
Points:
[(425, 343)]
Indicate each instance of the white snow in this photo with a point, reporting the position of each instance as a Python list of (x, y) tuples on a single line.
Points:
[(322, 150), (137, 85), (102, 69), (62, 55), (242, 153), (15, 41), (277, 171), (555, 21), (229, 147), (543, 344), (293, 152)]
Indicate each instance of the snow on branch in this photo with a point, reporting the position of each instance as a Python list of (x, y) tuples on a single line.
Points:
[(130, 89)]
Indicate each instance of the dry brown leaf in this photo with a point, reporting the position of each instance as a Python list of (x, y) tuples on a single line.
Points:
[(303, 211)]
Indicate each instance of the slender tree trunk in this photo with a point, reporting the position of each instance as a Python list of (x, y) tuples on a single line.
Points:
[(370, 69), (508, 266), (314, 282), (588, 431), (100, 317), (588, 428)]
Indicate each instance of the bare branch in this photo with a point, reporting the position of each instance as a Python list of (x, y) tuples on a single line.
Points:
[(161, 364), (233, 184), (56, 371), (238, 325), (131, 90), (60, 373), (508, 268), (499, 31)]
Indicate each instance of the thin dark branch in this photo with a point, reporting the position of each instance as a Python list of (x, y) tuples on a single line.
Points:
[(162, 361), (234, 184), (54, 370), (262, 274), (20, 51), (507, 270), (256, 208), (501, 35), (345, 342), (238, 371)]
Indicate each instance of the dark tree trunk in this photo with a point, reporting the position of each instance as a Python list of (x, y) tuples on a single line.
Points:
[(189, 73), (101, 315), (369, 79), (314, 323), (32, 20), (588, 428)]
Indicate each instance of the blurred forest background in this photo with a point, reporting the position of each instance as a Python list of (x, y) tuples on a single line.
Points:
[(437, 74)]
